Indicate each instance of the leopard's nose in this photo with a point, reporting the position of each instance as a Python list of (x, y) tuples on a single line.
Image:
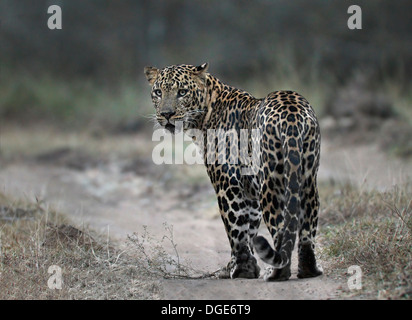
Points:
[(167, 114)]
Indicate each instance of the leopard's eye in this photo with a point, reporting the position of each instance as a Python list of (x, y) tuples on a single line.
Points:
[(158, 92), (182, 92)]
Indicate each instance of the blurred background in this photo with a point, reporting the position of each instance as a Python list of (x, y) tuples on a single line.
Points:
[(76, 134), (91, 70)]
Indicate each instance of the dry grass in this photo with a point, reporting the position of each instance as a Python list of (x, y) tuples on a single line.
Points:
[(34, 238), (158, 261), (371, 229)]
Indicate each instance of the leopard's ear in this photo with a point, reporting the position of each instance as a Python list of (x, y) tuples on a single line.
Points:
[(202, 68), (151, 74)]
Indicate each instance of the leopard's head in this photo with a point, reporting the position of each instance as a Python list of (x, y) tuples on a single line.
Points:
[(178, 94)]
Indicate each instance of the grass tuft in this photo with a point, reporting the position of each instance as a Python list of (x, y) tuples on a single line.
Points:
[(156, 260)]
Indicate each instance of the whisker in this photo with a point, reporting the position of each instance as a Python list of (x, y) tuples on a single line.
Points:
[(150, 117), (157, 126), (195, 111)]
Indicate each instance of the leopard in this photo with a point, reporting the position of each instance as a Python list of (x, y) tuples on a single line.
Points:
[(282, 188)]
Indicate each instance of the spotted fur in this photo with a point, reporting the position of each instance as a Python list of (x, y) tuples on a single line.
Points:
[(283, 190)]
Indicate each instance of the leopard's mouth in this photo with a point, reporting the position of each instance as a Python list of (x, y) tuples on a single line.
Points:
[(170, 127), (173, 125)]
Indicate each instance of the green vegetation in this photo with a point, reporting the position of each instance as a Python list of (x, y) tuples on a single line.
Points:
[(79, 102), (73, 103)]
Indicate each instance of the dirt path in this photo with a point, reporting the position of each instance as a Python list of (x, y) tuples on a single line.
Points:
[(119, 202)]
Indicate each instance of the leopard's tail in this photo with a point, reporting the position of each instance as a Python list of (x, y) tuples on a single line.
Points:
[(268, 255), (286, 230)]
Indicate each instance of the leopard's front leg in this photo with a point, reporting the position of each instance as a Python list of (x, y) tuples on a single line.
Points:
[(239, 219)]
